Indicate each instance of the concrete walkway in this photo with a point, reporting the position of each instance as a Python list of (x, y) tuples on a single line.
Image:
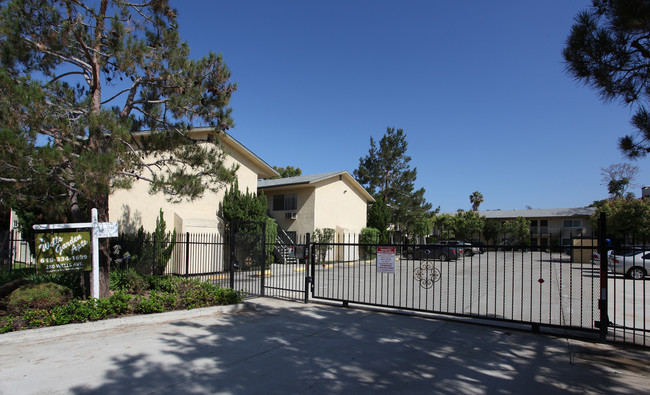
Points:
[(273, 346)]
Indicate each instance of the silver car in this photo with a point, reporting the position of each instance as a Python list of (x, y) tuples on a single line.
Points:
[(634, 264)]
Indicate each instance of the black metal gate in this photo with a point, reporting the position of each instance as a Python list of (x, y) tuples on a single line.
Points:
[(570, 287), (248, 260)]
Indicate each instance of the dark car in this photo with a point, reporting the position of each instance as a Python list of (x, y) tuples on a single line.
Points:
[(432, 251), (467, 248)]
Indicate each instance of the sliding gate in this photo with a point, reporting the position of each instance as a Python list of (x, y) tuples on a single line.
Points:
[(567, 289)]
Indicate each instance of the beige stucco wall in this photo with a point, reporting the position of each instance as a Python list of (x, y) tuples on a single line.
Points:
[(136, 207), (330, 203), (304, 222), (338, 205)]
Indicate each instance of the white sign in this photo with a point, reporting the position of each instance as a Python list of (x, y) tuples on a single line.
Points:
[(100, 230), (386, 260), (105, 230)]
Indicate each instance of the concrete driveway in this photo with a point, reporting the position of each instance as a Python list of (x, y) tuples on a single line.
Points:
[(274, 346)]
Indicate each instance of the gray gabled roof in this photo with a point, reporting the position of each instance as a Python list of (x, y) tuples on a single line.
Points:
[(312, 179), (540, 213)]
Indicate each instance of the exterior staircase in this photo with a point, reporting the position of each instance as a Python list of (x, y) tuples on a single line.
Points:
[(285, 248)]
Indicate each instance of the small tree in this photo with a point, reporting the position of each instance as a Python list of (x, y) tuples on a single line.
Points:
[(444, 226), (324, 237), (628, 220), (491, 230), (369, 239), (476, 198), (467, 223), (618, 178), (289, 171), (163, 244), (238, 206), (519, 230), (379, 217)]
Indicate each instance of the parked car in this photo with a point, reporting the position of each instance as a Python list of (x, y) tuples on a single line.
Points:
[(595, 257), (480, 245), (432, 251), (634, 264), (468, 249)]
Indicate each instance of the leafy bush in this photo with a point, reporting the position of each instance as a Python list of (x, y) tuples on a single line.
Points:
[(369, 238), (147, 253), (6, 324), (162, 283), (157, 302), (166, 293), (128, 281), (68, 280), (325, 237), (37, 296)]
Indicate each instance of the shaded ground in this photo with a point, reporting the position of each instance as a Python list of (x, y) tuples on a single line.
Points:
[(285, 347)]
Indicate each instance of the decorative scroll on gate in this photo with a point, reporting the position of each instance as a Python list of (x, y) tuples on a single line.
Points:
[(427, 274)]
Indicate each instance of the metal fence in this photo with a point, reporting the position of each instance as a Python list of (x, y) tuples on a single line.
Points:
[(15, 253), (220, 259), (515, 285), (574, 286), (560, 287)]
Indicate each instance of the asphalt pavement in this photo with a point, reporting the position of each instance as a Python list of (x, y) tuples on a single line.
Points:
[(269, 346)]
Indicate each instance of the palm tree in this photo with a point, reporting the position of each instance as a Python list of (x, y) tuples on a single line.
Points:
[(476, 198)]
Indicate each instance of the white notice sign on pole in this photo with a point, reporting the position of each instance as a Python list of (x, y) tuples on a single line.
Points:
[(386, 260)]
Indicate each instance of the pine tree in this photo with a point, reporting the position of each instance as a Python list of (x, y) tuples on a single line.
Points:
[(609, 49), (77, 81), (387, 175)]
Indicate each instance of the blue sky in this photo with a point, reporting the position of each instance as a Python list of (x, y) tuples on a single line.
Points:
[(479, 88)]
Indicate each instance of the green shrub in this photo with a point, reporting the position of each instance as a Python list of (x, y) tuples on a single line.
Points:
[(198, 294), (6, 324), (37, 318), (38, 296), (69, 280), (128, 281), (147, 253), (157, 302), (369, 239), (168, 293), (323, 238), (162, 283), (115, 305), (8, 276)]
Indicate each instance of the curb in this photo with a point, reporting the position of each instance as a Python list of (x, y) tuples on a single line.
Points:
[(40, 334)]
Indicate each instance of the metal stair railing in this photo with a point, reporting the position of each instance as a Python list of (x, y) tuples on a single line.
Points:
[(284, 246)]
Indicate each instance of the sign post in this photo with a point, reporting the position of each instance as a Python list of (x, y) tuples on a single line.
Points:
[(99, 230)]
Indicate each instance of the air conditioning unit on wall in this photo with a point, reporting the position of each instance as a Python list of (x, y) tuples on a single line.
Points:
[(290, 215)]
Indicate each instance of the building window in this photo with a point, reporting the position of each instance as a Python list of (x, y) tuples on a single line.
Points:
[(566, 242), (285, 202), (572, 223)]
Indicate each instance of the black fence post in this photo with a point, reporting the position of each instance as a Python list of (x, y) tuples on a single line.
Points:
[(154, 263), (602, 302), (10, 249), (263, 258), (187, 254), (233, 259), (308, 278)]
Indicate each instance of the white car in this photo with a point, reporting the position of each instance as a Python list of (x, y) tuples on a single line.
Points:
[(633, 265), (595, 257)]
